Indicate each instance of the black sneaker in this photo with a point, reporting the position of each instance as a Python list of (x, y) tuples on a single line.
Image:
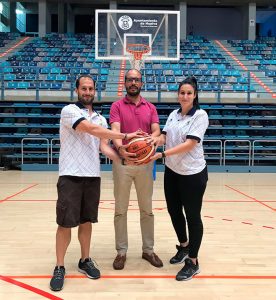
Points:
[(88, 268), (182, 253), (57, 281), (188, 271)]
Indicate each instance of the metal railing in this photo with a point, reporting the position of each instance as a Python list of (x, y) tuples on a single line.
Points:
[(239, 154), (214, 153), (225, 150), (32, 151), (52, 144), (268, 155)]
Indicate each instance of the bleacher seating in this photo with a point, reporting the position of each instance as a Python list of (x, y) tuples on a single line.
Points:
[(7, 37), (200, 58), (241, 134), (53, 62), (262, 52)]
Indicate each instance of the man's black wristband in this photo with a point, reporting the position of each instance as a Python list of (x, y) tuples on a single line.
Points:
[(163, 154)]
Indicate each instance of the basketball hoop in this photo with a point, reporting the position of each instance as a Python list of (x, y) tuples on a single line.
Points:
[(137, 54)]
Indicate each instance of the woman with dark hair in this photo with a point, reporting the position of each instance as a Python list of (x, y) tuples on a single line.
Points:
[(186, 176)]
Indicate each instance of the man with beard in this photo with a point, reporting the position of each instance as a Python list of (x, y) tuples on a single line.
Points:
[(128, 114), (83, 133)]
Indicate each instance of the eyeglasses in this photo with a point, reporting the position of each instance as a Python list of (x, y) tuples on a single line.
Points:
[(130, 80)]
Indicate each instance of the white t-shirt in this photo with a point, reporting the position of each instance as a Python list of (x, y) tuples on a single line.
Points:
[(79, 152), (178, 128)]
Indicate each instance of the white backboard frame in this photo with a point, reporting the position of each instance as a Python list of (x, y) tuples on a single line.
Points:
[(146, 12)]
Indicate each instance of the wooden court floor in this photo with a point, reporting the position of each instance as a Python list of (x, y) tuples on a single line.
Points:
[(237, 258)]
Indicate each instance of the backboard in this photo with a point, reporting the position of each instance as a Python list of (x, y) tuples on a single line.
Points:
[(158, 32)]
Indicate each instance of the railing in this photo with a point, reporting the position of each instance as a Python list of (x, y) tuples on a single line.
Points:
[(52, 144), (246, 151), (213, 153), (225, 150), (32, 151), (267, 155)]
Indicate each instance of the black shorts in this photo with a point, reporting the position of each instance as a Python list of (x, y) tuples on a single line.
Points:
[(78, 200)]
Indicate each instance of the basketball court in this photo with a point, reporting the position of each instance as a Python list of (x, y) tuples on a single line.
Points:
[(237, 256)]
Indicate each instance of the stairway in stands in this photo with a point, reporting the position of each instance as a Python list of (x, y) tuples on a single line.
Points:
[(260, 92)]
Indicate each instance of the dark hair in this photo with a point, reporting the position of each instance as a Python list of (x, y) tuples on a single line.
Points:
[(193, 82), (83, 76), (132, 70)]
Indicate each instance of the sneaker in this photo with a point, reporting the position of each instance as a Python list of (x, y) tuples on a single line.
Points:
[(188, 271), (88, 268), (182, 253), (119, 262), (57, 281), (153, 259)]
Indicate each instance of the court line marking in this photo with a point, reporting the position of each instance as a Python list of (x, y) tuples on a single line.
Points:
[(149, 276), (24, 190), (101, 201), (28, 287), (254, 199), (242, 222), (155, 209)]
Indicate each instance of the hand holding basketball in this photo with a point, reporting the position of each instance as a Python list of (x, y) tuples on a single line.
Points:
[(156, 156), (136, 134), (142, 148)]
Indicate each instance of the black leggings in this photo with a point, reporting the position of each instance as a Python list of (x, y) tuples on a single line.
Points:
[(186, 191)]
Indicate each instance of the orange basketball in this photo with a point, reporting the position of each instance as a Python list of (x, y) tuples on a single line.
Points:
[(143, 150)]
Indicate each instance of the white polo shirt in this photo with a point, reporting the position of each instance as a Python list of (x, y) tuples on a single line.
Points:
[(79, 152), (178, 129)]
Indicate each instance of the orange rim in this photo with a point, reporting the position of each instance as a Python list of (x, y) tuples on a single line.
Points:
[(138, 54)]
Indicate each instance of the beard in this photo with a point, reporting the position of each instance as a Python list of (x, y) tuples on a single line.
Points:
[(86, 101), (134, 92)]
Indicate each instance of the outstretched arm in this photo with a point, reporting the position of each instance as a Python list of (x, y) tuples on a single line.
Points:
[(103, 133), (185, 147), (108, 151)]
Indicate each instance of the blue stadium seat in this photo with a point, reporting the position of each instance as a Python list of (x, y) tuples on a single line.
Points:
[(172, 87), (56, 86), (44, 85), (12, 85), (61, 77), (9, 77), (23, 85), (150, 87)]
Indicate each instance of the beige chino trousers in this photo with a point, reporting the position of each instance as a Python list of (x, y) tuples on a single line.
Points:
[(123, 177)]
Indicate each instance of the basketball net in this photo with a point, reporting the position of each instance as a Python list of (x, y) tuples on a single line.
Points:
[(137, 54)]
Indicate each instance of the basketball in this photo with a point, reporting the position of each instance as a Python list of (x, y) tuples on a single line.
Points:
[(143, 150)]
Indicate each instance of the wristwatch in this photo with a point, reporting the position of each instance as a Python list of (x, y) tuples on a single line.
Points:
[(163, 154)]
